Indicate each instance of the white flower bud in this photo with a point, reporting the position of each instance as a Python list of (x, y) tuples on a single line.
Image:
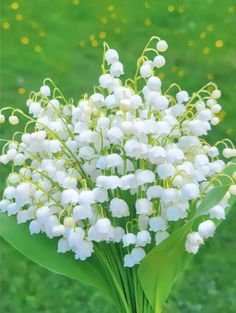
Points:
[(217, 212), (182, 96), (69, 222), (2, 118), (207, 229), (106, 81), (159, 61), (13, 120), (215, 120), (45, 90), (111, 56), (154, 83), (162, 46), (145, 70), (232, 190), (216, 94), (4, 159), (194, 239), (35, 109)]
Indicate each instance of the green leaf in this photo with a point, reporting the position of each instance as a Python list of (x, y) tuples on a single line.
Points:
[(43, 251), (160, 268), (212, 198)]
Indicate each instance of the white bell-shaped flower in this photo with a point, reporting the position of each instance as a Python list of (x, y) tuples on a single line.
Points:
[(157, 223), (143, 206), (207, 229), (138, 254), (143, 238), (70, 196), (119, 208), (129, 239)]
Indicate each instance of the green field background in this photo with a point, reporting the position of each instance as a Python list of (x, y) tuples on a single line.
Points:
[(63, 39)]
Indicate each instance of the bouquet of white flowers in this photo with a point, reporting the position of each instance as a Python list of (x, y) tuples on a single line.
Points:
[(124, 179)]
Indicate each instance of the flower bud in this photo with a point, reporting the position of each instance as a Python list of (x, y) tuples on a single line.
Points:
[(162, 46), (207, 229), (13, 120)]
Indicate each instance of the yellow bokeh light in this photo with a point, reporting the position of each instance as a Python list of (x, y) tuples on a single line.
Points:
[(15, 5), (92, 37), (37, 48), (161, 75), (171, 8), (118, 30), (229, 131), (21, 90), (181, 9), (104, 20), (102, 35), (110, 8), (5, 25), (206, 50), (19, 17), (210, 28), (202, 35), (76, 2), (231, 9), (147, 5), (181, 73), (219, 43), (82, 43), (191, 43), (221, 115), (24, 40), (147, 21), (42, 33), (94, 43), (210, 76)]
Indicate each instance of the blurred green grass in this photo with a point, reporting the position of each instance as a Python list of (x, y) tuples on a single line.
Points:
[(62, 39)]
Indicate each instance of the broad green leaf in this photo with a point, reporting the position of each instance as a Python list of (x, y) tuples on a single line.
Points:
[(43, 251), (160, 268)]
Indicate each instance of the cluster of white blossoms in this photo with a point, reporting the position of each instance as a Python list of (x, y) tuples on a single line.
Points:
[(125, 166)]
